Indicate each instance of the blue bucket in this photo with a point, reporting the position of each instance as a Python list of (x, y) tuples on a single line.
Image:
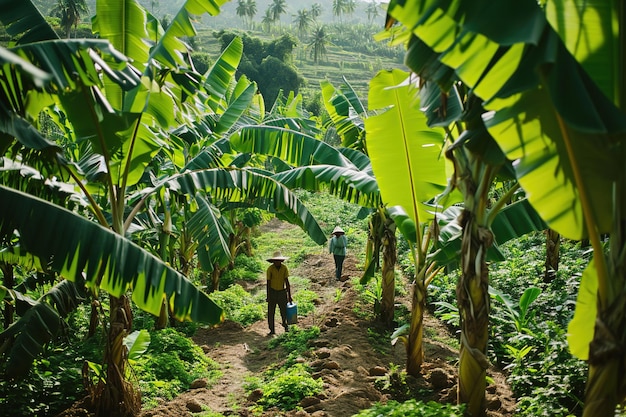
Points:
[(292, 313)]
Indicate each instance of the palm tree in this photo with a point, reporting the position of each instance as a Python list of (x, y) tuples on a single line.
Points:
[(70, 12), (277, 8), (317, 45), (251, 10), (544, 123), (242, 10), (303, 20), (339, 8), (372, 10), (267, 20), (316, 10), (349, 7), (246, 9)]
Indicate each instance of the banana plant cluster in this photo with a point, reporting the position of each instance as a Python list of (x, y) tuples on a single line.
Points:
[(141, 143), (554, 105)]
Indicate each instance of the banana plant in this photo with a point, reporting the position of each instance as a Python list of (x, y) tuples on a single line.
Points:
[(554, 106), (347, 115), (121, 123), (409, 168), (476, 166)]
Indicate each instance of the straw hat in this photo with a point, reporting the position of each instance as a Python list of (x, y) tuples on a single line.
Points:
[(277, 257), (337, 230)]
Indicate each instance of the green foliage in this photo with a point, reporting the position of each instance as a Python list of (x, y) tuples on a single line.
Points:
[(528, 336), (202, 61), (371, 295), (239, 305), (245, 268), (519, 314), (266, 63), (54, 382), (295, 342), (360, 39), (380, 339), (287, 388), (305, 301), (412, 408), (170, 364)]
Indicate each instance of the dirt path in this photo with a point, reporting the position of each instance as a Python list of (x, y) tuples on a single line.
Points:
[(344, 357)]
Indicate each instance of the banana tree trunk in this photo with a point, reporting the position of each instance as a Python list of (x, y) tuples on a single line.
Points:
[(473, 303), (414, 344), (215, 277), (374, 238), (116, 396), (606, 381), (9, 282), (553, 244), (605, 377), (388, 272)]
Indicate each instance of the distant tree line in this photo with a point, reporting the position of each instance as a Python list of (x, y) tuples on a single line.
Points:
[(266, 63)]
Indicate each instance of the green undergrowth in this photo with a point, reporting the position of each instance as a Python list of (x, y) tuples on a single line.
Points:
[(239, 305), (528, 324), (412, 408), (169, 366), (284, 385)]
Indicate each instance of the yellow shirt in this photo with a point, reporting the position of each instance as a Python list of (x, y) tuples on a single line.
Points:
[(277, 277)]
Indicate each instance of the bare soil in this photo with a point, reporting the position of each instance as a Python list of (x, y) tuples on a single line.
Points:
[(343, 356)]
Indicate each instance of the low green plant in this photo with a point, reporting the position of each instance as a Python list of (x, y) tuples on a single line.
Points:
[(295, 341), (518, 314), (54, 381), (170, 364), (371, 295), (288, 387), (239, 305), (305, 301), (252, 382), (447, 312), (398, 385), (245, 268), (380, 339), (413, 408)]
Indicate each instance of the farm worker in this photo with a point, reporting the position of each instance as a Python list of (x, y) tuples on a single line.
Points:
[(278, 290), (337, 247)]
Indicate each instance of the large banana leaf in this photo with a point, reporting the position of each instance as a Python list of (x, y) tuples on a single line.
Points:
[(352, 185), (75, 247), (211, 230), (24, 22), (249, 188), (222, 72), (291, 146), (590, 35), (345, 110), (39, 322), (406, 154), (512, 59), (32, 332)]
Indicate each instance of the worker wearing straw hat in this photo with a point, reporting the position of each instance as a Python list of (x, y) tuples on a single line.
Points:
[(337, 247), (278, 290)]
